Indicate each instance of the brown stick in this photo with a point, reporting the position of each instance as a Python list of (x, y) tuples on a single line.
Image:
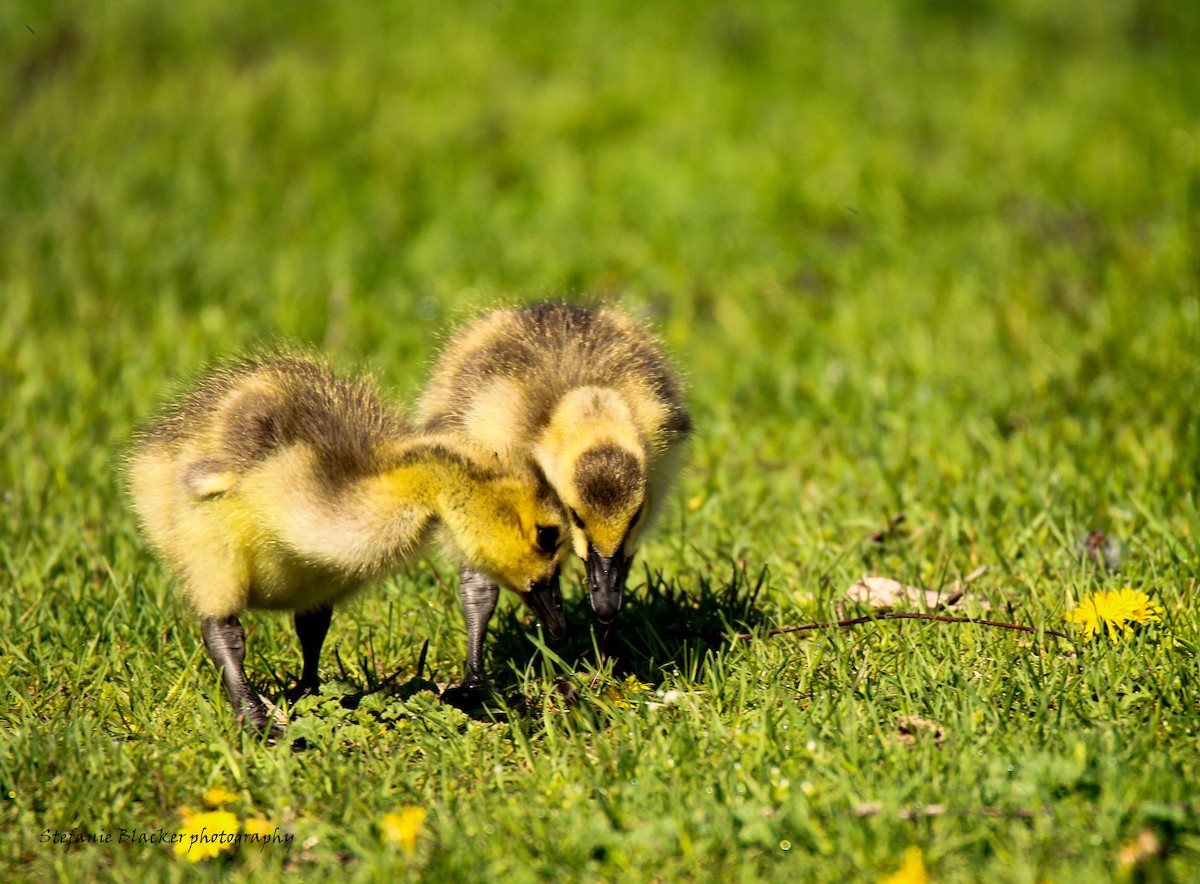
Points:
[(895, 615), (960, 586), (940, 810)]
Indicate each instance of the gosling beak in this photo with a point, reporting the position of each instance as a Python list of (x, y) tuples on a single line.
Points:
[(545, 600), (606, 582)]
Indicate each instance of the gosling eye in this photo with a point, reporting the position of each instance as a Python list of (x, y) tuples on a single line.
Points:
[(547, 538), (578, 521)]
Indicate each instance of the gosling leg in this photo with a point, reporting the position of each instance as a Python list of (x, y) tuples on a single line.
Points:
[(311, 627), (226, 643), (479, 595), (545, 600)]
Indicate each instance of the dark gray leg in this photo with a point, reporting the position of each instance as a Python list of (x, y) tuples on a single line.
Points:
[(311, 627), (226, 643), (479, 595)]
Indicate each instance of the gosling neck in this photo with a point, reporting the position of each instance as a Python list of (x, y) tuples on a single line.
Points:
[(434, 473), (387, 517)]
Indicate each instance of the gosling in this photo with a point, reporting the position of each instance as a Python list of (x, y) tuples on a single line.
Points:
[(592, 397), (276, 484)]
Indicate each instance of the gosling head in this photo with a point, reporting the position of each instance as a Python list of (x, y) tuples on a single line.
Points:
[(594, 457), (513, 529)]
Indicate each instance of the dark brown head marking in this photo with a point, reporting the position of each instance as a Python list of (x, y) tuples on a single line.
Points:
[(257, 425), (608, 477)]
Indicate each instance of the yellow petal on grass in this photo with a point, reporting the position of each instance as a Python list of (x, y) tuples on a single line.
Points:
[(206, 835), (217, 796), (403, 827), (1114, 612), (911, 872)]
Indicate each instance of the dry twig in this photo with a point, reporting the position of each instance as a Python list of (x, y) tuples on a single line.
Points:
[(929, 810), (895, 615)]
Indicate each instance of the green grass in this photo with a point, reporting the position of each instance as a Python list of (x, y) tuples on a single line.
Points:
[(920, 258)]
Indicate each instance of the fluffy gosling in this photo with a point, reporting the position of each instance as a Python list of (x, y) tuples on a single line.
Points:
[(592, 397), (275, 484)]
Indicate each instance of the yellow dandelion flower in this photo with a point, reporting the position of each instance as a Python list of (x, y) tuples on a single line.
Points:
[(258, 826), (403, 827), (207, 834), (911, 872), (1114, 611), (632, 684), (619, 693), (217, 796)]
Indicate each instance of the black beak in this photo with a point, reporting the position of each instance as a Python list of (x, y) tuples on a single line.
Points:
[(545, 600), (606, 582)]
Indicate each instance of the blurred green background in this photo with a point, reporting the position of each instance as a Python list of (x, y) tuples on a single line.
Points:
[(929, 258), (944, 221), (941, 217)]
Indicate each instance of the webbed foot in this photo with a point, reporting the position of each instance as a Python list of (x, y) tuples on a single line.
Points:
[(472, 694)]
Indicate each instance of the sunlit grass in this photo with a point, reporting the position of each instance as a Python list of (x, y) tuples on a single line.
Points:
[(925, 260)]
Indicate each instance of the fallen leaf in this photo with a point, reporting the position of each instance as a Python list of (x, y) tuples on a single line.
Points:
[(910, 728), (1101, 549), (1134, 852), (883, 593)]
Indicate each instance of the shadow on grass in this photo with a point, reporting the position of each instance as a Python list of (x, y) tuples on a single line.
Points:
[(662, 626)]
